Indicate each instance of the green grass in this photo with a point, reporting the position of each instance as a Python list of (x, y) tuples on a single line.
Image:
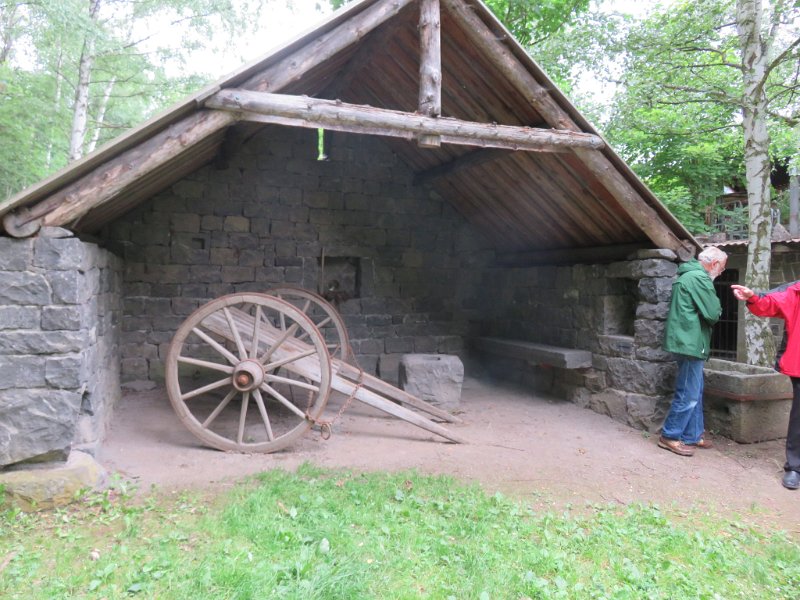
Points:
[(335, 534)]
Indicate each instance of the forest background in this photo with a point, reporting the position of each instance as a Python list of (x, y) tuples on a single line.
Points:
[(699, 97)]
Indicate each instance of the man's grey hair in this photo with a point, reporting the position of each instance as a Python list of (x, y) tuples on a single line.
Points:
[(711, 254)]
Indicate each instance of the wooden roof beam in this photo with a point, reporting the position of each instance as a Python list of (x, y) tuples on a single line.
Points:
[(302, 111), (110, 178), (504, 60), (362, 57), (295, 65), (430, 67)]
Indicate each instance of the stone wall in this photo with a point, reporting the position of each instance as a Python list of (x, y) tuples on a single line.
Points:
[(615, 311), (412, 276), (59, 315), (407, 262), (417, 277)]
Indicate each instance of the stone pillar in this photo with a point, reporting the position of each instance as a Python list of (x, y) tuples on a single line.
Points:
[(59, 304), (638, 372)]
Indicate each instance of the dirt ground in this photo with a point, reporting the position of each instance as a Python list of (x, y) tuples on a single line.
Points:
[(545, 451)]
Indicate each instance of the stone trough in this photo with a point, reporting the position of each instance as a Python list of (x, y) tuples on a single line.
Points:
[(746, 403)]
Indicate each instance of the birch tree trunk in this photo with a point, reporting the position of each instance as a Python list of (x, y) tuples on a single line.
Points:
[(56, 109), (760, 342), (80, 111), (101, 115), (8, 22)]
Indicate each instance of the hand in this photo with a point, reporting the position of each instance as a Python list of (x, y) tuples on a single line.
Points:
[(742, 293)]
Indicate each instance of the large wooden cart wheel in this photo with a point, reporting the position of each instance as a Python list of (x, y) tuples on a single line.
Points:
[(325, 317), (248, 373)]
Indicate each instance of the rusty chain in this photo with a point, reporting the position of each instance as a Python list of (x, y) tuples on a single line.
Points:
[(326, 426)]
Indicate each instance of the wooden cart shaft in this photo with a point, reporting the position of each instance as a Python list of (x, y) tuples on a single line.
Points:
[(296, 356)]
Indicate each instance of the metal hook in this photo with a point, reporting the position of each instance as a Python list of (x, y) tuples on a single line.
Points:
[(325, 431)]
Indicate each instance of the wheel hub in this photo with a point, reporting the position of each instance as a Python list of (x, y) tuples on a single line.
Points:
[(248, 375)]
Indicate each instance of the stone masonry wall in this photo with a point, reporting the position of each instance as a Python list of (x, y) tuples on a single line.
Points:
[(59, 315), (615, 311), (268, 219)]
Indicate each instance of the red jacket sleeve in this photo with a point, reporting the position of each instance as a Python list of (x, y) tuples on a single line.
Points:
[(771, 305)]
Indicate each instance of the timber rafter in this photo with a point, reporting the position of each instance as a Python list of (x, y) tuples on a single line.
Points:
[(422, 58), (503, 59), (302, 111), (105, 182)]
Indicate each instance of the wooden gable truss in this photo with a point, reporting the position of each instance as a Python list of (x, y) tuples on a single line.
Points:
[(613, 209)]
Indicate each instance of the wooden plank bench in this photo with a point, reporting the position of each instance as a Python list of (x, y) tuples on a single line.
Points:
[(533, 353)]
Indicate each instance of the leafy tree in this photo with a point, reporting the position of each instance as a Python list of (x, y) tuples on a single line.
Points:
[(700, 79), (76, 73), (708, 93), (533, 21), (22, 95)]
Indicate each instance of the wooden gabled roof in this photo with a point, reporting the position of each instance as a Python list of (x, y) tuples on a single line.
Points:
[(452, 92)]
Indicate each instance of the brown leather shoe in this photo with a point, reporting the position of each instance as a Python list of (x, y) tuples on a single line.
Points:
[(703, 443), (676, 446)]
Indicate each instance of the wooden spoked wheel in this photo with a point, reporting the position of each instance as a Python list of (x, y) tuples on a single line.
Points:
[(248, 373), (323, 314)]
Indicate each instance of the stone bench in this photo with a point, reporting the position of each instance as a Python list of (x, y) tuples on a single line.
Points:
[(746, 403), (536, 354)]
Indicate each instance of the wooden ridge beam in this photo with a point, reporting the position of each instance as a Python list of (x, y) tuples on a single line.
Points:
[(302, 111), (504, 60)]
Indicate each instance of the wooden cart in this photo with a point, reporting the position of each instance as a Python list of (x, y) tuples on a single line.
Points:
[(252, 372)]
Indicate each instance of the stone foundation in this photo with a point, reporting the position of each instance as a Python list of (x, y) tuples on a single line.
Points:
[(52, 485)]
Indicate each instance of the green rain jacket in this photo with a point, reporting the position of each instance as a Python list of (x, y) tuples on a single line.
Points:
[(693, 310)]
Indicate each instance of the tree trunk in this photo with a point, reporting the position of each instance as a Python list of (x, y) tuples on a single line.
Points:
[(8, 22), (80, 111), (56, 110), (759, 340), (794, 201), (101, 115)]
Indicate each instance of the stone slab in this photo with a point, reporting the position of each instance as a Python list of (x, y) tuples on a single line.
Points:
[(51, 485), (434, 378), (743, 383), (542, 354)]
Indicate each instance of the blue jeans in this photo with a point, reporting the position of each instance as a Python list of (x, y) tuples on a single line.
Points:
[(685, 419)]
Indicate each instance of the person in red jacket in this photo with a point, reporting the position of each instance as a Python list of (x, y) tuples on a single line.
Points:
[(783, 303)]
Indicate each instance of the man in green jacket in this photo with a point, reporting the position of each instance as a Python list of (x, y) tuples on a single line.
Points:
[(693, 310)]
